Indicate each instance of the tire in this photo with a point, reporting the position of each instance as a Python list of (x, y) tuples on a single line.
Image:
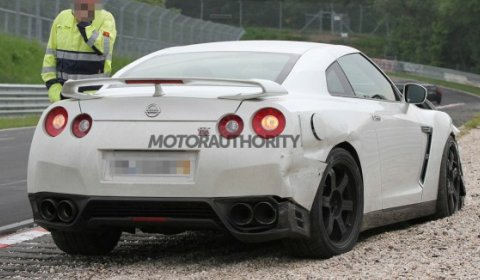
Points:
[(450, 198), (335, 224), (86, 243)]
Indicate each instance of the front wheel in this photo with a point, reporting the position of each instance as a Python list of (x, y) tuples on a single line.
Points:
[(450, 196), (86, 243), (337, 211)]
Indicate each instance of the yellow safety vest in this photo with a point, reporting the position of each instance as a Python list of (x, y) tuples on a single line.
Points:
[(75, 52)]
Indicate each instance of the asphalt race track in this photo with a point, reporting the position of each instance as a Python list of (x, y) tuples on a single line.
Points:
[(15, 145), (14, 148), (462, 107)]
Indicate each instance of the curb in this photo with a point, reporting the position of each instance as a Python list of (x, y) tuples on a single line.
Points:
[(20, 237), (8, 229)]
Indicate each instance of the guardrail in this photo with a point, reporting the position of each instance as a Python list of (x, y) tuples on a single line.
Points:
[(22, 100), (433, 72)]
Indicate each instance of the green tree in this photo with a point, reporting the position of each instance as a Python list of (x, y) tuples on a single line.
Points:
[(459, 33), (436, 32)]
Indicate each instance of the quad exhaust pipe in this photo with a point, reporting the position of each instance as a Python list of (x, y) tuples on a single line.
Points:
[(241, 214), (263, 213), (65, 210), (48, 210)]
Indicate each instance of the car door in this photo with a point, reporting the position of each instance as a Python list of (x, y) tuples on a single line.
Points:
[(400, 140), (349, 117)]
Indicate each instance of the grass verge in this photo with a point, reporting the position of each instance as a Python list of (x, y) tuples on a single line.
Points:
[(452, 85), (21, 60), (471, 124), (18, 122)]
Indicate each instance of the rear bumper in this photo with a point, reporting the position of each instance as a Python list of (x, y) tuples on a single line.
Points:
[(174, 214)]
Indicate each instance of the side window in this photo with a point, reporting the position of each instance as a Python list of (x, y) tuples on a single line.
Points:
[(337, 82), (366, 80)]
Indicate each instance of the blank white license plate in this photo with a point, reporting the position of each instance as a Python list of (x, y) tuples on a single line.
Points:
[(152, 167)]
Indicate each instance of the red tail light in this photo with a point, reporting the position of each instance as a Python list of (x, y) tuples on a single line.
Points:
[(268, 123), (230, 126), (81, 125), (56, 121)]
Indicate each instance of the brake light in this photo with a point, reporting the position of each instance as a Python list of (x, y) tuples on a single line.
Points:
[(56, 121), (81, 125), (268, 123), (230, 126)]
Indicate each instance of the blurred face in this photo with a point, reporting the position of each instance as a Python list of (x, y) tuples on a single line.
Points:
[(84, 10)]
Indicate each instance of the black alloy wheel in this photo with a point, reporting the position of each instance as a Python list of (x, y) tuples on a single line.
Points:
[(338, 202), (454, 180), (450, 196), (337, 212)]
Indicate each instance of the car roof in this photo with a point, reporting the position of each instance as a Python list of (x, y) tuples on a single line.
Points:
[(314, 58), (291, 47)]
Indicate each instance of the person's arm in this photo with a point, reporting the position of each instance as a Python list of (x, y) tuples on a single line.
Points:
[(49, 68), (102, 40)]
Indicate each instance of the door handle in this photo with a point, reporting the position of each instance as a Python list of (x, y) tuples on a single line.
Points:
[(376, 118)]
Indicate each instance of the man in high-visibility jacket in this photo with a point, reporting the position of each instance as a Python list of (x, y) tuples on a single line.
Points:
[(80, 46)]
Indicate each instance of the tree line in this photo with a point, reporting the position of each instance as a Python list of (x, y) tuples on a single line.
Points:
[(443, 33)]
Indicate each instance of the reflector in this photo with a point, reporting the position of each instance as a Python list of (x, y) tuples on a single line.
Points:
[(230, 126), (81, 125)]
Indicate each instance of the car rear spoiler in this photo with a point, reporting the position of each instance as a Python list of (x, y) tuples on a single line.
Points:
[(71, 89)]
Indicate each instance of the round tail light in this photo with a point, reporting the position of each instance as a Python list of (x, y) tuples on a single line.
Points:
[(268, 123), (81, 125), (230, 126), (56, 121)]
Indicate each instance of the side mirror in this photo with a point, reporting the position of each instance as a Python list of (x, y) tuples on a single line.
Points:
[(414, 94)]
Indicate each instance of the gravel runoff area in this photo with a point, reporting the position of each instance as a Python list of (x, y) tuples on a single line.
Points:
[(442, 249)]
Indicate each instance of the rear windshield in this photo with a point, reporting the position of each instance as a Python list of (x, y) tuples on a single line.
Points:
[(220, 65)]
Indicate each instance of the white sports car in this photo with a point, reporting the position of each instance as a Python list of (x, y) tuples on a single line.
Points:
[(309, 143)]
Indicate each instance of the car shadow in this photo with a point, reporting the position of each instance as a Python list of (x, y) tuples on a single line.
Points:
[(208, 248), (189, 248), (364, 236)]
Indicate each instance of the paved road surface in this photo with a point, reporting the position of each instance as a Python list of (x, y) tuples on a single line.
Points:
[(15, 144), (14, 148), (462, 107)]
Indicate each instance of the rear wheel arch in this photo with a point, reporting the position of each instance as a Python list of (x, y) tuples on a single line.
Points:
[(349, 148)]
